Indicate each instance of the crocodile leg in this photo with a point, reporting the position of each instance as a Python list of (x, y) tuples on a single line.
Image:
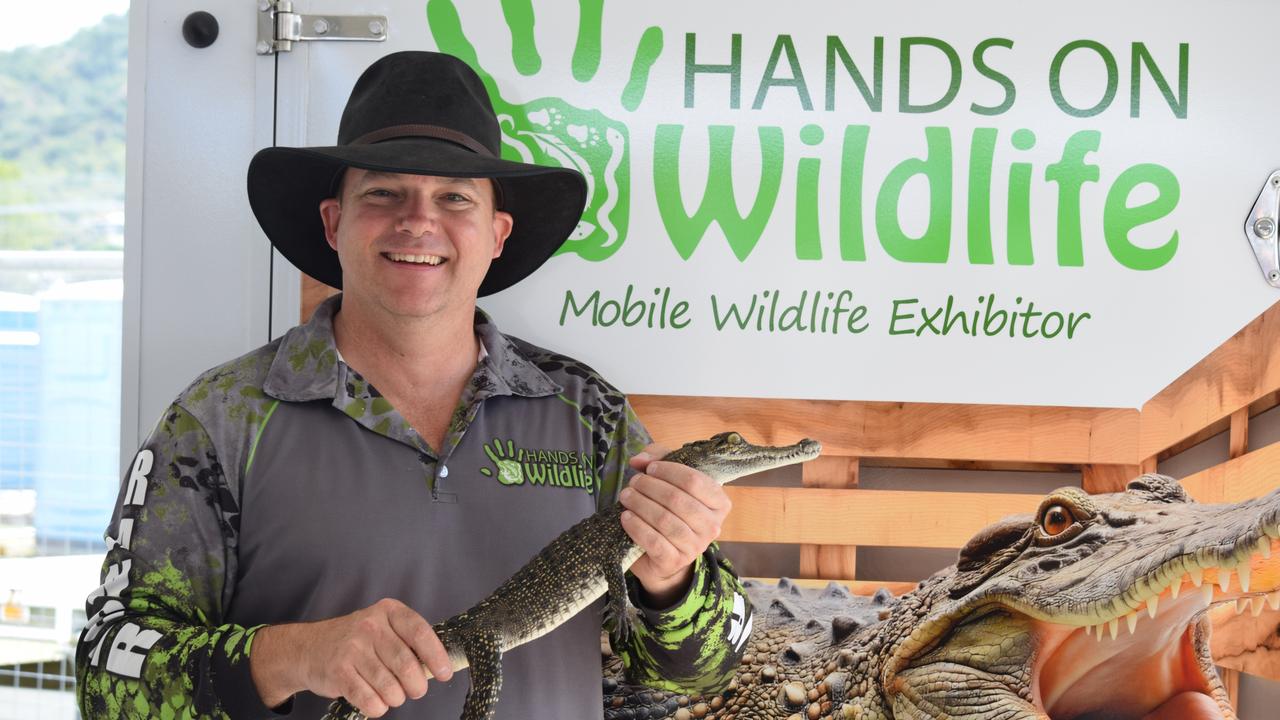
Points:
[(616, 602), (484, 654)]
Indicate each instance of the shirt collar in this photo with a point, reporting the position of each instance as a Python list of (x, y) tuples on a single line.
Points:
[(307, 365)]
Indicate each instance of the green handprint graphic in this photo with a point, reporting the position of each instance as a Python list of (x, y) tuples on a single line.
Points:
[(551, 131), (506, 461)]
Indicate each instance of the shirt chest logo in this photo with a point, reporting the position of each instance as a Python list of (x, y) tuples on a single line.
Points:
[(513, 464)]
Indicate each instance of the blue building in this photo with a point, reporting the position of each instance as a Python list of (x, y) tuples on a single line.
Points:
[(77, 463), (19, 389)]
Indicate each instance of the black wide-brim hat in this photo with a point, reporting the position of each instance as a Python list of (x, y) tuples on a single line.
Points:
[(423, 113)]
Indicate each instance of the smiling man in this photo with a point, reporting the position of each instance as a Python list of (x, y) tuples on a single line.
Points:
[(300, 512)]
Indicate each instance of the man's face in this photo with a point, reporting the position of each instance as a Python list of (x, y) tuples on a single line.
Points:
[(414, 245)]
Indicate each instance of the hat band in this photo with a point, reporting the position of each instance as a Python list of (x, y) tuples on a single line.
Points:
[(430, 131)]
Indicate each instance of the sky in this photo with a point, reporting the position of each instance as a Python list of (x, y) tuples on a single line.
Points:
[(30, 23)]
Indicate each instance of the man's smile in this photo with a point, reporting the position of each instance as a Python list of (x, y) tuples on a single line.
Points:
[(414, 259)]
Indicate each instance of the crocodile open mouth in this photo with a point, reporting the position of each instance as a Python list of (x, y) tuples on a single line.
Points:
[(1150, 663)]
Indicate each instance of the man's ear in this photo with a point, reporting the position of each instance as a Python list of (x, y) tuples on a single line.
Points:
[(330, 213), (502, 225)]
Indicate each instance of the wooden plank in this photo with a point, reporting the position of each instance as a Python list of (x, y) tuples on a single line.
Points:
[(1149, 465), (314, 292), (857, 587), (925, 431), (1096, 479), (865, 517), (1239, 437), (836, 562), (1239, 372), (1248, 476)]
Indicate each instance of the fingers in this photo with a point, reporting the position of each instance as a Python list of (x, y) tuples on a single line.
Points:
[(682, 489), (664, 534), (374, 657), (423, 643), (645, 457)]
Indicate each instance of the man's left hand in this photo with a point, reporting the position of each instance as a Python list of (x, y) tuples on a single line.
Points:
[(673, 512)]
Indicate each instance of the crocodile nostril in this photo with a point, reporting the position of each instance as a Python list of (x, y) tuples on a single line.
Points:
[(1050, 564)]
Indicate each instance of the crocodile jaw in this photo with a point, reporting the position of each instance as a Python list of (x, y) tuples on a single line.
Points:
[(1161, 671)]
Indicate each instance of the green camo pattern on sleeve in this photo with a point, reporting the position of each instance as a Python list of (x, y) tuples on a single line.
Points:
[(687, 648), (152, 648)]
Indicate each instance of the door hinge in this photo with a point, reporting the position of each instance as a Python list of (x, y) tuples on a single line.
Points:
[(279, 27)]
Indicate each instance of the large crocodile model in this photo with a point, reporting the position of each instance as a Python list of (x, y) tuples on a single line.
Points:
[(581, 564), (1091, 609)]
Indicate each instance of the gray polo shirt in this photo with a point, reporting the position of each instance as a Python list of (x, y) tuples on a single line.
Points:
[(281, 487)]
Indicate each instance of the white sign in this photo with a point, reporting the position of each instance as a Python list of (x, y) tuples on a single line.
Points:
[(931, 202)]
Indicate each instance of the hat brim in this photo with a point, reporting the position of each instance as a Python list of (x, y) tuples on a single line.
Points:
[(286, 186)]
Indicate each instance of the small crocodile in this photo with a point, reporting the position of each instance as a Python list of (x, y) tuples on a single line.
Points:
[(1093, 608), (584, 562)]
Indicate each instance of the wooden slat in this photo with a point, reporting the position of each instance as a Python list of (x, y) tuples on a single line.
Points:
[(857, 587), (1239, 372), (1248, 476), (996, 433), (1096, 479), (836, 562), (1149, 465), (865, 517), (314, 292), (1239, 437)]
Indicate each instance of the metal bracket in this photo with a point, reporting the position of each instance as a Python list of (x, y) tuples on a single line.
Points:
[(279, 27), (1262, 228)]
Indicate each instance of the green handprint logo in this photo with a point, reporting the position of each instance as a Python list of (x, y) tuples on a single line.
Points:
[(506, 461), (551, 131)]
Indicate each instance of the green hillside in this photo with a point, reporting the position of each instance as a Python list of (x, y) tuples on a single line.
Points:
[(62, 135)]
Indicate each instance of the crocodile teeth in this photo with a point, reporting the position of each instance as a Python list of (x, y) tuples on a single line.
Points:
[(1243, 570), (1197, 576), (1175, 587), (1258, 606), (1264, 548), (1207, 592), (1153, 603), (1241, 604), (1224, 579), (1114, 627), (1273, 600), (1088, 630), (1132, 620), (1272, 531)]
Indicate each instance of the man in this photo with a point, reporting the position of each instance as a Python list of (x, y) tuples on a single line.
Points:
[(299, 512)]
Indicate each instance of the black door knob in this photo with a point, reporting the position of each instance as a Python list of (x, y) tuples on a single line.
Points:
[(200, 29)]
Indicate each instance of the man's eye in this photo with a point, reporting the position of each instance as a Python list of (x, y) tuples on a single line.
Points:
[(380, 193), (456, 198)]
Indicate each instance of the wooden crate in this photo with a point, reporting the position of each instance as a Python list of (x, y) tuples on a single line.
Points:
[(830, 516)]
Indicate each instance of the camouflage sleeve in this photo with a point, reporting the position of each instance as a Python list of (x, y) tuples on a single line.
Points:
[(694, 645), (154, 646)]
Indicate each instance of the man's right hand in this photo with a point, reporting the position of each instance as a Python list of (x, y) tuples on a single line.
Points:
[(372, 657)]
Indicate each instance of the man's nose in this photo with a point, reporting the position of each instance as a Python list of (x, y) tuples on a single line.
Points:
[(419, 215)]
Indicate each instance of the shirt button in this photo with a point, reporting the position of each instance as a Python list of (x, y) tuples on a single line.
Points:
[(444, 471)]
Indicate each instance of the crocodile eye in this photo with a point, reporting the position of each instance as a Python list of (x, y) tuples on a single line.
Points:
[(734, 439), (1056, 520)]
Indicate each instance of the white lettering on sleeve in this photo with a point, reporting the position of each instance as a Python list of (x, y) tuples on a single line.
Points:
[(129, 649), (126, 535), (136, 493)]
